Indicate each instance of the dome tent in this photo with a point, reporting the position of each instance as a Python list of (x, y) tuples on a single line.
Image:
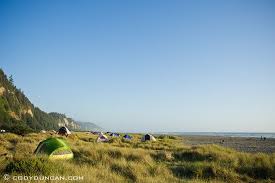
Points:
[(114, 135), (43, 131), (127, 137), (55, 148), (102, 138), (64, 131), (148, 137), (96, 133)]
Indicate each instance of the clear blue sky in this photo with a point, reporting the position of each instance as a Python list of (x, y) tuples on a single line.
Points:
[(150, 65)]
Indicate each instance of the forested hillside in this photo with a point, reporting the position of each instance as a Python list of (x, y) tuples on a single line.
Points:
[(19, 115)]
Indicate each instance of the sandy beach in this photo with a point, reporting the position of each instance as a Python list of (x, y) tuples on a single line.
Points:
[(243, 144)]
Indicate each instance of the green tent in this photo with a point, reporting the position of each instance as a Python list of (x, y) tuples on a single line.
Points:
[(55, 148)]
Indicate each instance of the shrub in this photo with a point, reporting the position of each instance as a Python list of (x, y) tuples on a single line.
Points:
[(85, 139), (134, 157), (114, 140), (204, 171), (84, 157), (192, 156), (156, 169), (33, 166), (116, 154), (258, 166), (166, 137), (125, 171), (161, 156), (184, 171), (19, 128)]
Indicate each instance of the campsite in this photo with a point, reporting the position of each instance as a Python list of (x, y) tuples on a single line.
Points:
[(164, 159), (144, 91)]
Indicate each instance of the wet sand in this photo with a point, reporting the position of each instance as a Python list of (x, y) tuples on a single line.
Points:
[(243, 144)]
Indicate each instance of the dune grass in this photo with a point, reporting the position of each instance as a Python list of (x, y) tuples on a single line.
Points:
[(166, 160)]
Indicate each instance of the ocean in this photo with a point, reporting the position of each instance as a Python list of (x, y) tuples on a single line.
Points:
[(226, 134)]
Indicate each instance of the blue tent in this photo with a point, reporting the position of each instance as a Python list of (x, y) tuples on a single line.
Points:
[(128, 137), (114, 135)]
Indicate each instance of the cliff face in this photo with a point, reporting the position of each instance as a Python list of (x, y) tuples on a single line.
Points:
[(88, 126), (62, 120), (17, 110)]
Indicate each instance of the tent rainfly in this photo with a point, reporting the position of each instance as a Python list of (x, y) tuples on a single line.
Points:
[(127, 137), (96, 133), (114, 135), (148, 137), (55, 148), (102, 138), (64, 131)]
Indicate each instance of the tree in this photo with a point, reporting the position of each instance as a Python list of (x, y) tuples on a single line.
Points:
[(11, 79)]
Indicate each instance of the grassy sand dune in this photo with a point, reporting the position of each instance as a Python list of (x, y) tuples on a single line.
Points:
[(166, 160)]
